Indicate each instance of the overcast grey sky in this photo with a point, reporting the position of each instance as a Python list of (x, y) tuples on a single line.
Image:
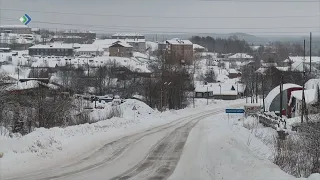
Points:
[(155, 16)]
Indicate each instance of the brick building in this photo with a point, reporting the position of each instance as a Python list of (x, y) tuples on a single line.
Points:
[(177, 51)]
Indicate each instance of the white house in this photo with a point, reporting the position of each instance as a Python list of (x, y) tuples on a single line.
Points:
[(240, 57)]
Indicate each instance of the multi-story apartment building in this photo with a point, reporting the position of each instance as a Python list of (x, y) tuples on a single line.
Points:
[(52, 50), (176, 51)]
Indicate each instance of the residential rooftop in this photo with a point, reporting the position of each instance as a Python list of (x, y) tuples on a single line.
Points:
[(177, 41)]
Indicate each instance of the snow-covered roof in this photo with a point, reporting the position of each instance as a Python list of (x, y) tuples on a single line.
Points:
[(14, 71), (77, 31), (88, 49), (274, 92), (222, 77), (311, 95), (67, 37), (14, 26), (11, 38), (287, 60), (226, 88), (30, 85), (152, 45), (121, 43), (240, 56), (307, 58), (104, 42), (263, 64), (127, 34), (35, 29), (234, 71), (261, 70), (177, 41), (312, 84), (52, 46), (129, 40), (298, 66), (254, 47), (283, 68), (246, 63), (197, 46)]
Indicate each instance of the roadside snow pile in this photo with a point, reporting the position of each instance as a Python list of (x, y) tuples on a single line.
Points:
[(265, 134), (315, 176), (142, 109), (41, 140)]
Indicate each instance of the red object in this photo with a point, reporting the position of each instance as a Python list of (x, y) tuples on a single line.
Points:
[(284, 112), (289, 92)]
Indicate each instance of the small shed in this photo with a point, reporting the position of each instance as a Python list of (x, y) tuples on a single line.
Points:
[(311, 99)]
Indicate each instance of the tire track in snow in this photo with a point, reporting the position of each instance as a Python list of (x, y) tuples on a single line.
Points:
[(164, 156)]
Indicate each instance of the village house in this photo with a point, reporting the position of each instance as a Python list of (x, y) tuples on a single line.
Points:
[(136, 40), (224, 91), (238, 57), (121, 49), (177, 51), (233, 73)]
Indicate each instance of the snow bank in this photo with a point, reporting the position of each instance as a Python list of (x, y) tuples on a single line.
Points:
[(315, 176)]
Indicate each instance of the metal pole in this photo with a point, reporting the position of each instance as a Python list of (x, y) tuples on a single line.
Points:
[(256, 88), (281, 83), (310, 49), (207, 95), (303, 98), (262, 81), (161, 100)]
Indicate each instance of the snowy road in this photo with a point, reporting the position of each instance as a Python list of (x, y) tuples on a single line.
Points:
[(129, 155), (201, 146)]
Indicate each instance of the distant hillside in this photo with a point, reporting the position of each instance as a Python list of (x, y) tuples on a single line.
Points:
[(247, 37)]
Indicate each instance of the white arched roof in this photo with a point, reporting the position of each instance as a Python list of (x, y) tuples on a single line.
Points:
[(274, 92)]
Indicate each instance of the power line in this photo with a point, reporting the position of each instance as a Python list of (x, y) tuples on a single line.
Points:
[(167, 27), (227, 1), (264, 1), (164, 17)]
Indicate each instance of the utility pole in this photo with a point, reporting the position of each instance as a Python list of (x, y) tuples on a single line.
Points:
[(256, 88), (207, 95), (281, 87), (303, 81), (161, 98), (310, 49), (262, 81)]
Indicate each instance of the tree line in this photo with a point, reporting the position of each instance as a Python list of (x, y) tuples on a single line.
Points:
[(230, 45)]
